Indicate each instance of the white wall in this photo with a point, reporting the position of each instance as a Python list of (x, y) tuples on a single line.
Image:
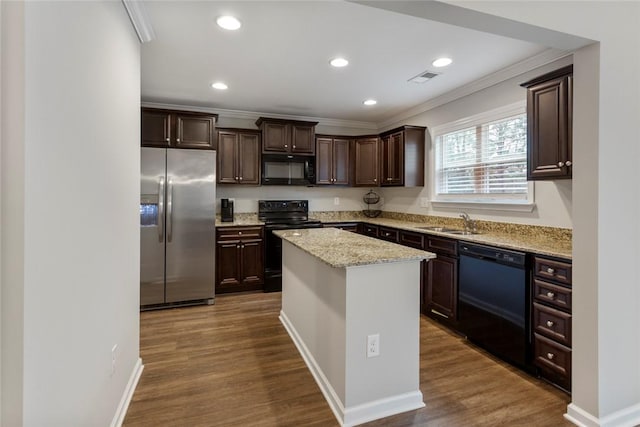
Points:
[(80, 257), (552, 198)]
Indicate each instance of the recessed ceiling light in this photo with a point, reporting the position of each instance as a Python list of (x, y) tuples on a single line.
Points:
[(219, 86), (228, 22), (441, 62), (339, 62), (370, 102)]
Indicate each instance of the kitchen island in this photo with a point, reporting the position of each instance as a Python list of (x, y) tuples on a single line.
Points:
[(346, 297)]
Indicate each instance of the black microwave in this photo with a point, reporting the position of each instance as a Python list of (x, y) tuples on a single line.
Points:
[(285, 169)]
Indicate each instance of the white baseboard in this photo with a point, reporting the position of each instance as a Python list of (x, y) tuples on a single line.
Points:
[(359, 414), (627, 417), (118, 418)]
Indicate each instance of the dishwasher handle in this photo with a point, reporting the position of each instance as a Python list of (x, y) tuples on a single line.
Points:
[(489, 253)]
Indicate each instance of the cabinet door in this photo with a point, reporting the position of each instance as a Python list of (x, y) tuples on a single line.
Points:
[(366, 162), (324, 161), (227, 157), (155, 128), (252, 263), (549, 129), (195, 131), (249, 158), (341, 161), (228, 265), (302, 138), (275, 137), (442, 283), (392, 160)]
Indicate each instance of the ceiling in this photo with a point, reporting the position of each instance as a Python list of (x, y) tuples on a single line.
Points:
[(278, 62)]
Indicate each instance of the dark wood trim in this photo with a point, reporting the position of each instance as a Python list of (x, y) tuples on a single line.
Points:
[(284, 121), (561, 72)]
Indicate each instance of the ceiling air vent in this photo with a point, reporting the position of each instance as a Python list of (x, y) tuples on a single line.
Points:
[(423, 77)]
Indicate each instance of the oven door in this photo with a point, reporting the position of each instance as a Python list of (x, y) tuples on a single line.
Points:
[(273, 254)]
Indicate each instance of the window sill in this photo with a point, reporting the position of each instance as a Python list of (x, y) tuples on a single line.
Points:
[(484, 206)]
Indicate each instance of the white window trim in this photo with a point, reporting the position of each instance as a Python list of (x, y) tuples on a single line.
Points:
[(496, 203)]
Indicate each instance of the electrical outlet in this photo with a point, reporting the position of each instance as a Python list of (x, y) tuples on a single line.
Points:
[(114, 349), (336, 201), (424, 202), (373, 345)]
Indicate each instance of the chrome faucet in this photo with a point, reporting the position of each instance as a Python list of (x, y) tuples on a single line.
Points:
[(469, 224)]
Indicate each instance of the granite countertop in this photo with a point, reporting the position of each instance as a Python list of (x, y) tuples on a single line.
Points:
[(527, 239), (239, 220), (340, 249)]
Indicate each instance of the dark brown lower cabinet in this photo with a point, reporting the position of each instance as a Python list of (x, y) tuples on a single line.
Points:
[(239, 259), (440, 294)]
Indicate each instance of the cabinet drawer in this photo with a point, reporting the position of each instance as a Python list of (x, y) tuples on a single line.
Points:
[(552, 323), (552, 270), (370, 230), (239, 233), (389, 234), (558, 296), (549, 355), (438, 244), (414, 240)]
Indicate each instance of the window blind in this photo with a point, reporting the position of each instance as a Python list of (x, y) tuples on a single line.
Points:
[(488, 158)]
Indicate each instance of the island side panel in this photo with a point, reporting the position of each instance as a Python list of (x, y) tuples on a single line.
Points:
[(313, 303), (384, 299)]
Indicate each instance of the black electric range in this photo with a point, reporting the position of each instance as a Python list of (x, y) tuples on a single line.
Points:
[(280, 215)]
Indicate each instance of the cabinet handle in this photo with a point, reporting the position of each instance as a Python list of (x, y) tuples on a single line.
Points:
[(240, 178), (550, 323), (293, 146), (240, 233), (177, 139), (550, 356), (286, 146), (375, 179), (568, 163), (550, 270), (168, 140), (560, 164), (550, 294)]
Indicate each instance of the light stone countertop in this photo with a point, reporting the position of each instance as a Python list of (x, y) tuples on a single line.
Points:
[(341, 249)]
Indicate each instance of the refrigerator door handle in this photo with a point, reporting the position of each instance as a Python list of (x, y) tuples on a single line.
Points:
[(161, 208), (169, 209)]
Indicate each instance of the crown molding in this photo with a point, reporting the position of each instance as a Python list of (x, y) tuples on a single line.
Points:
[(140, 20), (543, 58), (254, 115)]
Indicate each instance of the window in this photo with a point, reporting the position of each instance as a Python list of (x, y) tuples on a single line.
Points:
[(483, 159)]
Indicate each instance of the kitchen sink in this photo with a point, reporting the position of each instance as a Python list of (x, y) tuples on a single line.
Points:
[(455, 231), (440, 229)]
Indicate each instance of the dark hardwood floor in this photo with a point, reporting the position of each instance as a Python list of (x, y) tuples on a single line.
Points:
[(233, 364)]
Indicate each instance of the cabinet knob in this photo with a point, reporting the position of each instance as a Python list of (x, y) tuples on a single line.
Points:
[(240, 178), (560, 164), (240, 233), (236, 178), (550, 294), (285, 146), (550, 323), (550, 270), (293, 146), (375, 179), (550, 356), (568, 163), (168, 140), (177, 139)]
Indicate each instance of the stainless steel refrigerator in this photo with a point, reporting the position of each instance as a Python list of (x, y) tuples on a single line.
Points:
[(177, 227)]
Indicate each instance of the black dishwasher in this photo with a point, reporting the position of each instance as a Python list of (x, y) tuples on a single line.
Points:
[(494, 301)]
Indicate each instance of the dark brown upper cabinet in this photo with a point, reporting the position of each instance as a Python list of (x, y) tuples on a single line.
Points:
[(287, 136), (332, 160), (549, 125), (178, 129), (366, 162), (402, 157), (238, 156)]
